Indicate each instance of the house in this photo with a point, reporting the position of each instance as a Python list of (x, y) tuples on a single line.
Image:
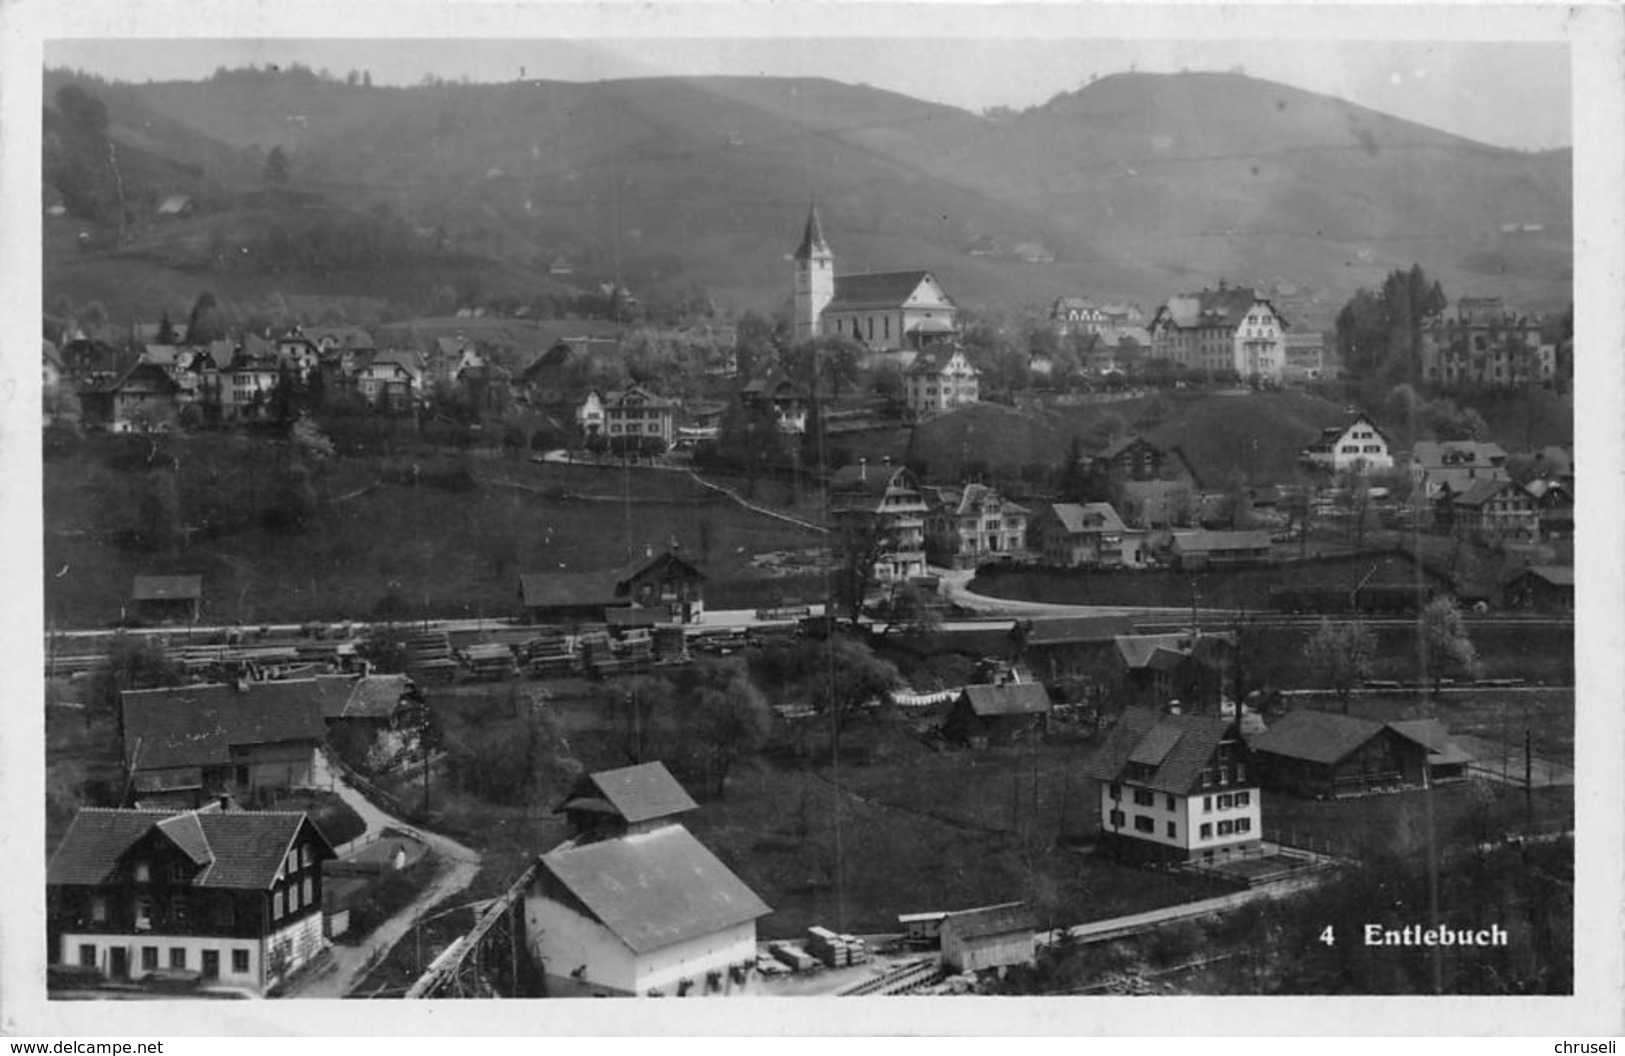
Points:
[(879, 310), (247, 381), (165, 598), (632, 904), (1175, 788), (1357, 447), (1077, 649), (1554, 504), (1496, 508), (143, 399), (390, 381), (967, 526), (1441, 470), (1189, 669), (1483, 342), (990, 938), (886, 507), (188, 744), (1541, 588), (1090, 534), (227, 897), (1227, 329), (940, 381), (666, 585), (635, 412), (1199, 548), (374, 702), (89, 360), (1134, 458), (567, 597), (1327, 756), (997, 715), (789, 400)]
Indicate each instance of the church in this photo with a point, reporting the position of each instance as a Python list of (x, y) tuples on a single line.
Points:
[(883, 310)]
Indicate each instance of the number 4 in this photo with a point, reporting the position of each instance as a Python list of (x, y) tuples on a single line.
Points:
[(1327, 937)]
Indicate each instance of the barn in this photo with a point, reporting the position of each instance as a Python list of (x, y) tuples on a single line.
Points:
[(992, 937), (995, 715), (1319, 754)]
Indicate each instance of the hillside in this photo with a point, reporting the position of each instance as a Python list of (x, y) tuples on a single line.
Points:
[(1140, 185)]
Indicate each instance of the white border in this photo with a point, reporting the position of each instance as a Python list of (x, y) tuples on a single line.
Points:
[(1594, 32)]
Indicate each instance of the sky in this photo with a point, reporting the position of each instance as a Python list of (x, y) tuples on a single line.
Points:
[(1510, 94)]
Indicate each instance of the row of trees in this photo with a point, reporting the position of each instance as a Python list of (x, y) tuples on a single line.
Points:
[(1341, 653)]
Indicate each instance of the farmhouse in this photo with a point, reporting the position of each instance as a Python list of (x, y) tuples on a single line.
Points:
[(1358, 447), (1498, 508), (632, 904), (189, 744), (1134, 458), (997, 715), (990, 938), (1160, 669), (1541, 588), (1070, 647), (1319, 754), (879, 310), (233, 897), (1175, 788), (165, 598)]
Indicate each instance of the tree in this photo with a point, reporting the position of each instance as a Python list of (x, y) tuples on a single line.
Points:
[(846, 677), (1447, 650), (203, 325), (1341, 654), (131, 662), (166, 331), (726, 718), (860, 544), (276, 166), (911, 608)]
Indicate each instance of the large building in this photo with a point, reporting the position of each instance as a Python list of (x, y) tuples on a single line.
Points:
[(879, 310), (1482, 342), (968, 525), (940, 381), (1227, 329), (228, 897), (882, 504)]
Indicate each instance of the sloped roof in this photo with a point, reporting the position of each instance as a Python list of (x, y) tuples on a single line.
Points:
[(198, 725), (638, 396), (1087, 517), (1433, 454), (543, 589), (1194, 740), (167, 588), (1020, 698), (873, 480), (1432, 735), (1200, 540), (991, 920), (361, 696), (238, 849), (1315, 736), (877, 289), (1224, 307), (1556, 575), (812, 237), (660, 562), (1059, 630), (934, 362), (1482, 491), (642, 793), (655, 889)]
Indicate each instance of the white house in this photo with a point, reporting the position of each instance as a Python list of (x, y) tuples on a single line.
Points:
[(940, 381), (1359, 447), (1176, 788), (632, 904), (1230, 328)]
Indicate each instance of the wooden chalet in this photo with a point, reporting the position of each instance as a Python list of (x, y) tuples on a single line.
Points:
[(1541, 588), (666, 585), (997, 715), (1327, 756)]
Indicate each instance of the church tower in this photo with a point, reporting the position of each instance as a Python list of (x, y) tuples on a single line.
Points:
[(815, 279)]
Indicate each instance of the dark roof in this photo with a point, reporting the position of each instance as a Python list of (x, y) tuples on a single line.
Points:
[(1556, 575), (1432, 735), (1061, 630), (1202, 541), (812, 238), (643, 792), (991, 920), (660, 563), (198, 725), (655, 889), (876, 289), (1482, 491), (1182, 745), (167, 588), (556, 589), (1315, 736), (1020, 698), (238, 849), (873, 480)]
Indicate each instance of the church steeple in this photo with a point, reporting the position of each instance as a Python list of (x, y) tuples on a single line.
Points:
[(815, 278)]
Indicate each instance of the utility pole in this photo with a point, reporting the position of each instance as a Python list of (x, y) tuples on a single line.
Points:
[(1433, 880)]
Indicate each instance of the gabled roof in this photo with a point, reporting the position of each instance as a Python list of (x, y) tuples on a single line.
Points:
[(936, 362), (1435, 454), (167, 588), (812, 238), (237, 849), (666, 561), (1432, 735), (1201, 541), (1183, 744), (1020, 698), (1224, 307), (639, 396), (1077, 518), (1064, 630), (878, 289), (872, 480), (1556, 575), (1153, 650), (655, 889), (991, 920), (573, 589), (1482, 491), (1123, 443), (637, 793), (361, 696), (190, 726), (1315, 736)]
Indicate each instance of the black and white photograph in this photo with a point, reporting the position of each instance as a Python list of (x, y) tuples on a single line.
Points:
[(925, 502)]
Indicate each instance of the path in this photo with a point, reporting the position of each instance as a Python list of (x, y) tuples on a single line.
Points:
[(1114, 927), (954, 584), (456, 868)]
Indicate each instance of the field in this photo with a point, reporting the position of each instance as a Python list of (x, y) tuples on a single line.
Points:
[(446, 553)]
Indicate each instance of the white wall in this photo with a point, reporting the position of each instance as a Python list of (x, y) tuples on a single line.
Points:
[(1187, 815), (298, 942), (193, 944), (561, 940)]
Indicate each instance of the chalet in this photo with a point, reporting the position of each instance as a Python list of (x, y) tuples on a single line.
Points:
[(632, 904), (1134, 458), (1175, 788), (167, 598), (222, 897), (665, 585), (1554, 505), (990, 938), (390, 381), (1198, 548), (1357, 447), (1162, 669), (1228, 329), (143, 399), (789, 400), (89, 360), (940, 381), (189, 744), (1541, 588), (997, 715), (1091, 534), (886, 503), (1451, 467), (969, 525), (1496, 508), (886, 310), (1319, 754)]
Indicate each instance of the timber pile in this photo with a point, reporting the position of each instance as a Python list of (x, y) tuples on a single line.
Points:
[(549, 655), (490, 662), (837, 951), (429, 660), (787, 954)]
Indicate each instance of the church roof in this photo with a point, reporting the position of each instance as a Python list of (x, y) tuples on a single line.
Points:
[(877, 289), (812, 240)]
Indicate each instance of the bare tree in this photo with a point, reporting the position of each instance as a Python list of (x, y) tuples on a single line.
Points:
[(1341, 654)]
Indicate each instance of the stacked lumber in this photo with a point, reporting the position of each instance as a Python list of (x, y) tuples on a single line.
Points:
[(795, 959), (490, 662), (429, 660), (549, 655), (837, 951)]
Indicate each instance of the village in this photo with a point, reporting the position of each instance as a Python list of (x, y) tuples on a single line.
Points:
[(887, 637)]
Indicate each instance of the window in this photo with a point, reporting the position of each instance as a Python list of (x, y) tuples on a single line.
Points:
[(177, 873), (143, 872), (1205, 832), (1226, 828), (1168, 801), (149, 958), (1244, 824), (1144, 798), (1117, 819), (1243, 798), (1144, 824), (310, 890), (98, 909), (1173, 831), (239, 961), (1207, 804), (87, 955), (293, 896), (1116, 792), (177, 957), (1226, 801), (143, 913), (276, 906)]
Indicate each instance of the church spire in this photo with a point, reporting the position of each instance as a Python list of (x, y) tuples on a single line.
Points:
[(812, 242)]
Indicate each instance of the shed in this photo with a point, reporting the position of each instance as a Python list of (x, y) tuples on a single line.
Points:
[(566, 596), (1446, 760), (984, 715), (167, 597), (1543, 588), (1316, 753), (922, 929), (975, 940)]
